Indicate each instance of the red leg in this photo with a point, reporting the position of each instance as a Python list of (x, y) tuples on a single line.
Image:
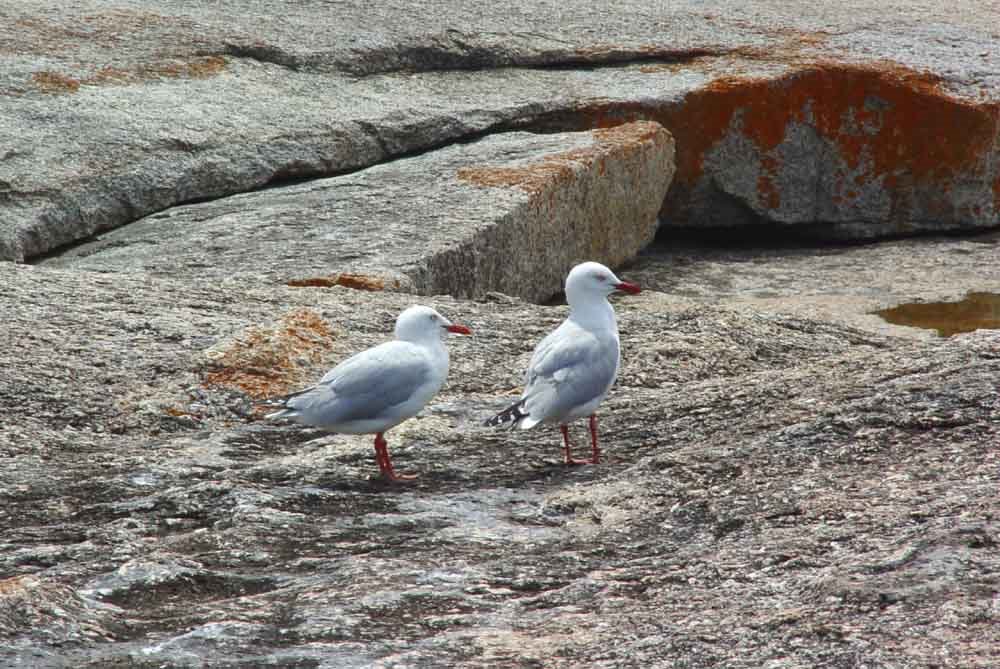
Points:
[(381, 453), (385, 463), (567, 447), (595, 449)]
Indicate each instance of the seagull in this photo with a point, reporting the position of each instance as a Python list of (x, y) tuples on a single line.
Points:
[(573, 367), (379, 388)]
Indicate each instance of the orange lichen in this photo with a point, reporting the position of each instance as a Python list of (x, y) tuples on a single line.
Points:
[(632, 134), (885, 120), (313, 282), (265, 362), (53, 82), (538, 176), (15, 584), (199, 68), (360, 282), (914, 126), (345, 279)]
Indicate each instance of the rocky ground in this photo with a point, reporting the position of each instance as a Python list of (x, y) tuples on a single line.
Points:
[(780, 490)]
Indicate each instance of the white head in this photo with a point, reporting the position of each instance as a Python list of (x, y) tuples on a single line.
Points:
[(591, 280), (419, 323)]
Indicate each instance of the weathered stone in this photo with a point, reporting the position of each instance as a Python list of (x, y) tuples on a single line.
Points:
[(139, 583), (787, 476), (853, 151), (54, 613), (510, 213), (856, 118)]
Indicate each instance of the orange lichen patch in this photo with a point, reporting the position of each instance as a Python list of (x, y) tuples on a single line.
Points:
[(16, 584), (199, 68), (886, 120), (37, 36), (53, 82), (632, 134), (345, 279), (551, 169), (534, 177), (314, 282), (265, 362), (833, 100), (361, 282)]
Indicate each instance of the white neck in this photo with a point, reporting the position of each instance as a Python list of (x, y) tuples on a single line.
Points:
[(431, 340), (594, 314)]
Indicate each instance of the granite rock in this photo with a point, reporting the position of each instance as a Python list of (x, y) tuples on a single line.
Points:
[(777, 483), (509, 213), (854, 122)]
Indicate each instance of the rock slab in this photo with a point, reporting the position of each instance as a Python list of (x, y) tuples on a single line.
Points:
[(509, 213), (856, 121)]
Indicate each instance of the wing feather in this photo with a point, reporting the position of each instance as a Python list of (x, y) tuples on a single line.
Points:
[(365, 385), (569, 368)]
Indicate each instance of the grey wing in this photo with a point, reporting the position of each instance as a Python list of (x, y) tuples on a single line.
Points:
[(568, 371), (365, 385)]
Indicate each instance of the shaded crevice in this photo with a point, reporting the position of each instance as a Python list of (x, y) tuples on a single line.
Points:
[(455, 51), (262, 53), (372, 131), (768, 234), (465, 57)]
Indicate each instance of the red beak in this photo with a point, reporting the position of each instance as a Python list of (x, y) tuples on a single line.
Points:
[(628, 287), (459, 329)]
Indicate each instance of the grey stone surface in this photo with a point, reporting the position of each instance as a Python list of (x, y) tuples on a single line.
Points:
[(113, 111), (790, 482), (510, 213), (843, 283), (809, 486)]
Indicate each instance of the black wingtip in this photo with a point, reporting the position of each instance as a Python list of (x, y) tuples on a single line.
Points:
[(511, 414)]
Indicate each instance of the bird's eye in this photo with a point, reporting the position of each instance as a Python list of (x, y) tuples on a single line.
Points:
[(602, 277)]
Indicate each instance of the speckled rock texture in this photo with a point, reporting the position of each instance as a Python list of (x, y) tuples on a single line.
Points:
[(510, 213), (788, 482), (854, 120)]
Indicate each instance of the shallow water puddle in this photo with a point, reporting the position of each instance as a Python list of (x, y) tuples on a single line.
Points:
[(977, 311)]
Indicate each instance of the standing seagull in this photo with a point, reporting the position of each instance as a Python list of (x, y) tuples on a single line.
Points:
[(379, 388), (573, 368)]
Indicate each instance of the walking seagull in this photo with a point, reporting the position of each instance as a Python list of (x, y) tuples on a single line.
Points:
[(574, 367), (379, 388)]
